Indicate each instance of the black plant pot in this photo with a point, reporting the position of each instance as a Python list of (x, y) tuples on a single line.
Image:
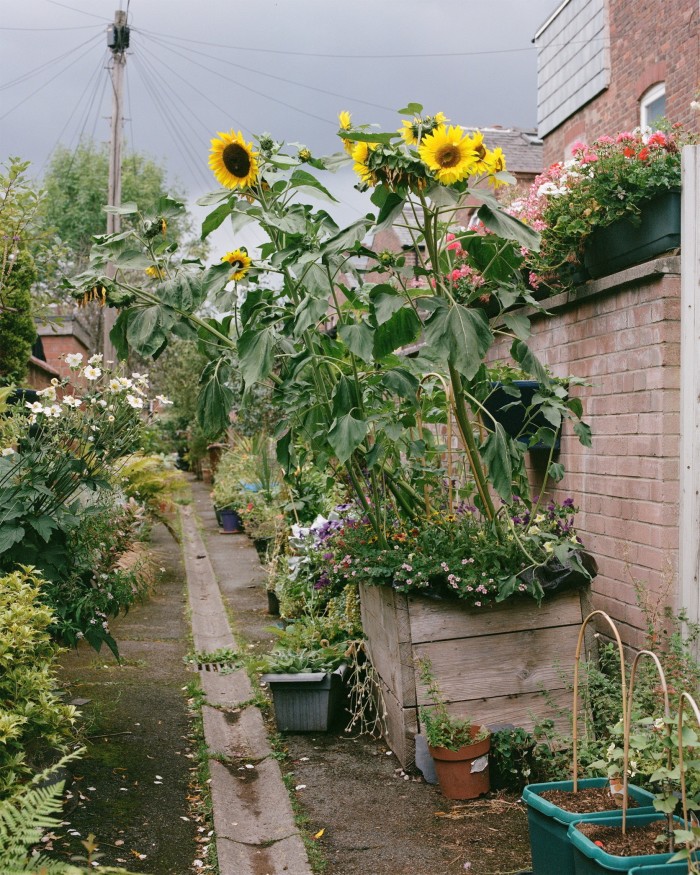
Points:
[(512, 413)]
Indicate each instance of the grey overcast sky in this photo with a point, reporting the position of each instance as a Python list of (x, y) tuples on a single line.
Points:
[(196, 67)]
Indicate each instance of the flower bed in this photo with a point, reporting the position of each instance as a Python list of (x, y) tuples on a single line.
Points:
[(491, 663)]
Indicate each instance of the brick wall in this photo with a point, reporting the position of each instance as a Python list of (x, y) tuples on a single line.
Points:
[(650, 42), (622, 335)]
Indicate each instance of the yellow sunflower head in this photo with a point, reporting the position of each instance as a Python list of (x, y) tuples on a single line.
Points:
[(360, 155), (409, 130), (233, 161), (496, 163), (449, 153), (154, 272), (345, 123), (240, 261)]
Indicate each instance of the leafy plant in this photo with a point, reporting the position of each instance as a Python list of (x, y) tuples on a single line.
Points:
[(326, 658), (441, 728), (34, 723)]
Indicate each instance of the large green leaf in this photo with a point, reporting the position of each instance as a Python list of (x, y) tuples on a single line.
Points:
[(347, 237), (470, 338), (133, 258), (346, 435), (255, 354), (364, 137), (359, 339), (302, 179), (386, 302), (146, 330), (309, 312), (529, 362), (214, 405), (389, 211), (169, 208), (496, 453), (345, 397), (401, 382), (187, 291), (215, 219), (10, 535), (403, 328), (518, 324), (118, 334), (507, 226)]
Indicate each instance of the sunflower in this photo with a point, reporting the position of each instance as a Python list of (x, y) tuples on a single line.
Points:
[(345, 123), (233, 161), (154, 272), (476, 143), (360, 155), (449, 154), (496, 163), (240, 261), (415, 129)]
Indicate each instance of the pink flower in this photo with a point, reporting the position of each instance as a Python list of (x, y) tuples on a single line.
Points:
[(578, 146), (624, 137)]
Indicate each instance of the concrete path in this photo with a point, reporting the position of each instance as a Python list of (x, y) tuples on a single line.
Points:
[(253, 819)]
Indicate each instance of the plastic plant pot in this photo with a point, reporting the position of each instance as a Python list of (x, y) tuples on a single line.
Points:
[(230, 521), (680, 868), (552, 853), (511, 413), (590, 859), (463, 773), (307, 701)]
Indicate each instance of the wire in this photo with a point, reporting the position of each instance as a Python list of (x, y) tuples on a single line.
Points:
[(283, 103), (94, 81), (382, 56), (188, 154), (238, 123), (53, 77), (284, 79), (73, 9), (25, 76), (52, 29)]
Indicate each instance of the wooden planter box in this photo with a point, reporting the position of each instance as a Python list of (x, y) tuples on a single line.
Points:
[(491, 663)]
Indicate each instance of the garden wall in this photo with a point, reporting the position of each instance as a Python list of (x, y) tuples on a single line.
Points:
[(622, 335)]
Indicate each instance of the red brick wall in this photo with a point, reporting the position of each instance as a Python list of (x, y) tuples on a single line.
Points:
[(625, 342), (56, 346), (650, 42)]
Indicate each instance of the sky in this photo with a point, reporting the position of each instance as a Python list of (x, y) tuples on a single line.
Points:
[(195, 67)]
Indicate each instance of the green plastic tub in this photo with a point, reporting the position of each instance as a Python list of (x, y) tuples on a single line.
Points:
[(589, 859), (552, 853), (661, 869)]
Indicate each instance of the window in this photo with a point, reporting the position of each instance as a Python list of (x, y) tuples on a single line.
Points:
[(652, 105)]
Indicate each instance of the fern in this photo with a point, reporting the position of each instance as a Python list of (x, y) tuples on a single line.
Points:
[(33, 809)]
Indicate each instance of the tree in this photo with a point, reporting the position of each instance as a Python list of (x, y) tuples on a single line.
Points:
[(76, 185), (17, 331)]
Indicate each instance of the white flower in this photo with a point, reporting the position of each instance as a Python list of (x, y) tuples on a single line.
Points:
[(72, 401), (35, 406), (7, 451), (74, 360), (548, 547), (533, 530), (110, 418), (95, 359), (55, 410), (540, 518), (115, 385), (102, 402), (140, 378), (49, 393), (92, 373), (166, 402), (133, 401)]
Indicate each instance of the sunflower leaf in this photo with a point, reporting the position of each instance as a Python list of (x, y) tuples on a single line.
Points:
[(359, 339), (411, 109), (301, 179), (496, 453), (214, 219), (470, 339), (346, 435), (255, 349), (362, 137), (509, 227)]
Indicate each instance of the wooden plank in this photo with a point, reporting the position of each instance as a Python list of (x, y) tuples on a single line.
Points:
[(500, 665), (441, 620), (386, 625), (401, 727), (524, 710)]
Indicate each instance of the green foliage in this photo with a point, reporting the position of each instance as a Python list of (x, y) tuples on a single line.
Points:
[(155, 485), (441, 728), (34, 724), (326, 658), (76, 185), (24, 817), (17, 331)]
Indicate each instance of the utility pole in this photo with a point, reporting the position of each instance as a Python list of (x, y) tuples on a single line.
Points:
[(118, 42)]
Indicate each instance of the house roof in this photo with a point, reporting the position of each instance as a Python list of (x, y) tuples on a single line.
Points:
[(523, 149)]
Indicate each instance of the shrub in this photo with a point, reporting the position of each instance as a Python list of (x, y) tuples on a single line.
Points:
[(34, 724)]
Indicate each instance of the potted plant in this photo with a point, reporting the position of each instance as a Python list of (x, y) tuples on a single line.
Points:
[(459, 747), (614, 204), (306, 686)]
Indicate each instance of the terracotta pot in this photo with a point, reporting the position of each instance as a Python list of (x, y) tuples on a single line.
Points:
[(463, 773)]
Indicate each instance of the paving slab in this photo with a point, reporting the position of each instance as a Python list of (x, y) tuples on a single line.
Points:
[(253, 818)]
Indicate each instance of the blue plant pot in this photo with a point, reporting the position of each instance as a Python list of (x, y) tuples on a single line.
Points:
[(230, 521)]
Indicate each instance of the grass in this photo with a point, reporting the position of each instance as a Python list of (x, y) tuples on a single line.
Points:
[(195, 700)]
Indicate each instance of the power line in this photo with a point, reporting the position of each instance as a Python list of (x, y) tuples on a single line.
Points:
[(73, 9), (262, 94), (53, 77), (25, 76), (284, 79), (53, 29)]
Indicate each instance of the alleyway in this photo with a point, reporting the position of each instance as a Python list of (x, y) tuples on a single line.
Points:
[(132, 789)]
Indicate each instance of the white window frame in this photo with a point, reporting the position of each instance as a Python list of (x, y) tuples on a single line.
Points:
[(650, 96)]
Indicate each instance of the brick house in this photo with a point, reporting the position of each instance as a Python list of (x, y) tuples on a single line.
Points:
[(605, 66)]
